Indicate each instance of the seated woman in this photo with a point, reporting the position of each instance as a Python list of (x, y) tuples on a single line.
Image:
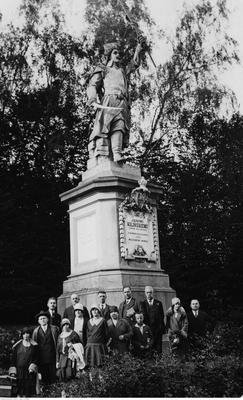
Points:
[(24, 365), (69, 352), (177, 327), (96, 349)]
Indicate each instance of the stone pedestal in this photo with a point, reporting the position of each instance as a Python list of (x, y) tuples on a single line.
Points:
[(96, 261)]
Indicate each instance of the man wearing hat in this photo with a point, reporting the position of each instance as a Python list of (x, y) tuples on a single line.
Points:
[(69, 312), (45, 335), (108, 93), (119, 332)]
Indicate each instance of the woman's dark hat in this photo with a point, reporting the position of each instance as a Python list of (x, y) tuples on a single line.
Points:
[(109, 47), (113, 309), (26, 330)]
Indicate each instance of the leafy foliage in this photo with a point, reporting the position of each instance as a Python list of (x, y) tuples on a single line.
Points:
[(206, 374)]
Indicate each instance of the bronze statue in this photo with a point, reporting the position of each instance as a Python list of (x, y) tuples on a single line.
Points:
[(108, 93)]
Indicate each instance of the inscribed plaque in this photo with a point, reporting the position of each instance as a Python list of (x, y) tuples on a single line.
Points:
[(137, 235)]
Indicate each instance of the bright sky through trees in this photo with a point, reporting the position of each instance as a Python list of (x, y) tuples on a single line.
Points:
[(166, 14)]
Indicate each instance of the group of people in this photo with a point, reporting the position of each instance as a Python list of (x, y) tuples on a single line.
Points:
[(66, 347)]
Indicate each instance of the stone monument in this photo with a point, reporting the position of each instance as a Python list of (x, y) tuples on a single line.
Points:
[(113, 215)]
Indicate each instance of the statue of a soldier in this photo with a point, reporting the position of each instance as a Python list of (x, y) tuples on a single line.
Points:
[(108, 93)]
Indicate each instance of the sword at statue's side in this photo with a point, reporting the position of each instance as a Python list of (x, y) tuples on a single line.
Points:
[(98, 105), (134, 24)]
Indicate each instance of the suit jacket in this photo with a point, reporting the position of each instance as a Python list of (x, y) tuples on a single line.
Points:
[(55, 319), (153, 316), (124, 307), (54, 332), (70, 314), (144, 339), (105, 312), (49, 353), (200, 324), (122, 328)]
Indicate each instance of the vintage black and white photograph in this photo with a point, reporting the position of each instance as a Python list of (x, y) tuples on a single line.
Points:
[(121, 172)]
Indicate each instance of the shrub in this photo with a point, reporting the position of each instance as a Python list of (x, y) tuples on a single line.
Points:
[(7, 338), (126, 376), (214, 370)]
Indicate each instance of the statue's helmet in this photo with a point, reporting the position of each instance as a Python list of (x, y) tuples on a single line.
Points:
[(109, 47)]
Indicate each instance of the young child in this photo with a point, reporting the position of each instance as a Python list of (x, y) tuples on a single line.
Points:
[(142, 339)]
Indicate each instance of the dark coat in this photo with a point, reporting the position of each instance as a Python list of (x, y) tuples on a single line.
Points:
[(105, 312), (55, 319), (124, 307), (47, 343), (122, 328), (153, 316), (22, 358), (70, 314), (200, 324)]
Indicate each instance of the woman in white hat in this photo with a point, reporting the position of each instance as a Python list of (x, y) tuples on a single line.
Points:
[(177, 327), (66, 355), (97, 336), (80, 323), (24, 365)]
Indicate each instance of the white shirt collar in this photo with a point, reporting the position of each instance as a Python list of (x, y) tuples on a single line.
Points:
[(139, 326), (44, 328)]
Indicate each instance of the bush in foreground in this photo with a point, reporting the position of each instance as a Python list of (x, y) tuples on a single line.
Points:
[(216, 370), (164, 377)]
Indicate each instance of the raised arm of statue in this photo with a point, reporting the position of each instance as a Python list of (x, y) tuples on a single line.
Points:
[(136, 61)]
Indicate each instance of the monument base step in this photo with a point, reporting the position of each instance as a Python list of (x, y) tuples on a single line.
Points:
[(113, 281)]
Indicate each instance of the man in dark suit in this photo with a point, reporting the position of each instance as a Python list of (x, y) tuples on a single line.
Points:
[(69, 312), (104, 308), (199, 322), (54, 317), (153, 312), (119, 332), (129, 307), (45, 335)]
